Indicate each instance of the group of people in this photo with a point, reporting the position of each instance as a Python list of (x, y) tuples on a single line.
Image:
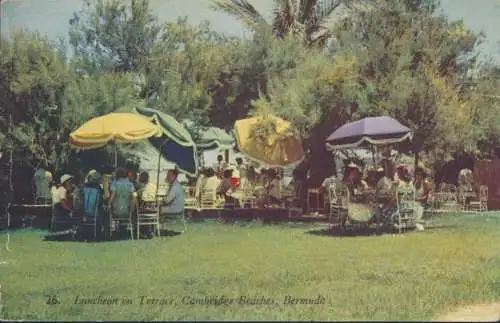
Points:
[(381, 185), (223, 179), (121, 193)]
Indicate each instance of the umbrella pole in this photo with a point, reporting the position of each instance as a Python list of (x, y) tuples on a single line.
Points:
[(158, 168), (116, 156), (373, 156), (158, 171)]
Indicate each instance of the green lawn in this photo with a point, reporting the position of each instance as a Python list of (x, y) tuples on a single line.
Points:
[(414, 276)]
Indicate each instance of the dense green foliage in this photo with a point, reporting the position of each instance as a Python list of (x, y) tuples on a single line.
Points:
[(401, 59)]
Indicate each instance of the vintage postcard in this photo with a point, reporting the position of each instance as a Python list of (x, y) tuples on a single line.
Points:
[(253, 160)]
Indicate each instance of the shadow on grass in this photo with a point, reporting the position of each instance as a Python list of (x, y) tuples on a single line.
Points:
[(356, 232), (116, 236)]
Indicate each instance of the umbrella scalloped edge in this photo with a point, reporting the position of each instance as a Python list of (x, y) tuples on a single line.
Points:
[(331, 147)]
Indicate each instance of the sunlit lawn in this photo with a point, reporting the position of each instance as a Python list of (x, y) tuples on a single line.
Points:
[(414, 276)]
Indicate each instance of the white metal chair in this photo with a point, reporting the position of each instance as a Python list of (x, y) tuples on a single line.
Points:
[(404, 217), (122, 211), (481, 204), (148, 214)]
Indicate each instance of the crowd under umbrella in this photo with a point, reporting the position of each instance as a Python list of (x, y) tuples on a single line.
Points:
[(280, 149), (372, 131), (175, 143)]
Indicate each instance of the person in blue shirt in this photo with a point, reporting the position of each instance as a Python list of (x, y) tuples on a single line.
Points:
[(174, 201)]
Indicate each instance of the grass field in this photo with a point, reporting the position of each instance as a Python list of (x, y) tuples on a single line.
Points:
[(413, 276)]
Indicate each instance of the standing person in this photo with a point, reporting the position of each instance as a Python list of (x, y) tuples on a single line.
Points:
[(273, 187), (220, 166), (422, 185), (63, 206), (226, 188), (42, 179), (300, 175), (200, 182), (242, 169)]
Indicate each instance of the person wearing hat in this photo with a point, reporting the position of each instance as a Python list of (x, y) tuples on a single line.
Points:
[(354, 181), (62, 203), (404, 178), (89, 174)]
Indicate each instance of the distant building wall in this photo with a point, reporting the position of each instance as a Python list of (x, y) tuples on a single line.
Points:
[(487, 172)]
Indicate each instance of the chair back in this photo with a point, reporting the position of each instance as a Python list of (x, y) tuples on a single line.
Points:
[(91, 201), (405, 198), (483, 193), (332, 194), (122, 203), (148, 207), (190, 191), (208, 198)]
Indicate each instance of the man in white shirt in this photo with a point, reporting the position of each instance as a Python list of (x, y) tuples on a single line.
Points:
[(211, 182), (220, 166), (62, 205), (242, 171)]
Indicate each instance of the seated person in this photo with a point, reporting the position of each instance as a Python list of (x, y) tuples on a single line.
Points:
[(63, 206), (235, 178), (385, 192), (146, 195), (146, 190), (225, 188), (211, 182), (91, 198), (174, 201), (123, 199), (404, 179)]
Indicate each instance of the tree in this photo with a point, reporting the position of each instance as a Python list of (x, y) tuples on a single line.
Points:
[(415, 63), (33, 79), (310, 20), (184, 64), (112, 36)]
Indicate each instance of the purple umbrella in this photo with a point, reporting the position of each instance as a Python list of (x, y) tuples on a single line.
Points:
[(372, 130)]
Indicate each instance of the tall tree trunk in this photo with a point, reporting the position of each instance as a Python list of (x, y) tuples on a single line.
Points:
[(416, 161)]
